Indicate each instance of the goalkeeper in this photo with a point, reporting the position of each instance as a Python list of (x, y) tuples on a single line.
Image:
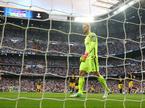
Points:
[(89, 62)]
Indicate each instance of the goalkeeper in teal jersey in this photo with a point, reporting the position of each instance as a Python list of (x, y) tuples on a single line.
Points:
[(89, 62)]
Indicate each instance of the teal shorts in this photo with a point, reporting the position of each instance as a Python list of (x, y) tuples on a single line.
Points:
[(90, 65)]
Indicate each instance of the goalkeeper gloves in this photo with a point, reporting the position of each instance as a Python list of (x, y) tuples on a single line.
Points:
[(84, 57)]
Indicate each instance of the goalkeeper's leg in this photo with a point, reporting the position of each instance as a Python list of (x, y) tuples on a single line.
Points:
[(95, 69), (103, 83), (80, 85)]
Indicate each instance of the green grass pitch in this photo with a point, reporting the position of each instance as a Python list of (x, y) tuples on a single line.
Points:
[(62, 100)]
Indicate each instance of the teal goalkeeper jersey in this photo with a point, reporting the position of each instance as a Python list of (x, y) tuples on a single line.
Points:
[(91, 45)]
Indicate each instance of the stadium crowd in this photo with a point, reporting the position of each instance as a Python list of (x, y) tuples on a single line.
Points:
[(56, 43), (37, 65), (58, 85), (29, 84), (15, 38)]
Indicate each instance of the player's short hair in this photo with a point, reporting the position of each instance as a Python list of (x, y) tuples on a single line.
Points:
[(87, 24)]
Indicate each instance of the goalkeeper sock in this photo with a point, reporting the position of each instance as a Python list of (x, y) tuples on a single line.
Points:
[(81, 84), (103, 83)]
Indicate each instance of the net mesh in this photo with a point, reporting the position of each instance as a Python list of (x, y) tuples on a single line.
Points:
[(44, 54)]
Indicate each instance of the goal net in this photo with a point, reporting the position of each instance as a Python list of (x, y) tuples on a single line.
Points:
[(40, 53)]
